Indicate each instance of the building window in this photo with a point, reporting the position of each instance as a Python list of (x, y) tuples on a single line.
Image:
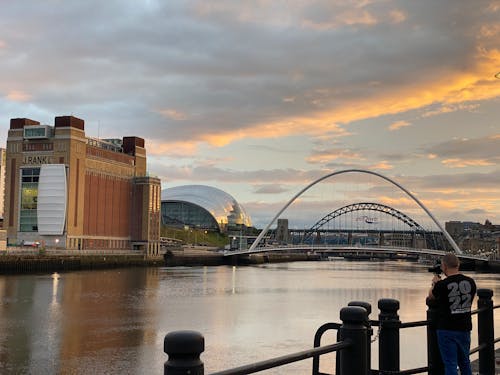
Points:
[(35, 132), (29, 196)]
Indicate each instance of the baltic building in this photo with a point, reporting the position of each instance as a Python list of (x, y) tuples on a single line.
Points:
[(63, 189)]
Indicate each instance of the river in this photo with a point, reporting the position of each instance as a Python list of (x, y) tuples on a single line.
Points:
[(114, 321)]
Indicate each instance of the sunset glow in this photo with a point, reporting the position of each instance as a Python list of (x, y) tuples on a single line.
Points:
[(259, 98)]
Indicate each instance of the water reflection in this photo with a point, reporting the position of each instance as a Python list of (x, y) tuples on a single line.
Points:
[(114, 321)]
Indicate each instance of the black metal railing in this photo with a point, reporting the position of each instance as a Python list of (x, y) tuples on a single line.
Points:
[(353, 346)]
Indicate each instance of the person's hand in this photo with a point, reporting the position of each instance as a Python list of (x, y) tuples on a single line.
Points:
[(435, 279)]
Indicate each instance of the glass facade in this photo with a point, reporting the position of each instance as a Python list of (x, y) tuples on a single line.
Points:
[(203, 207), (185, 213), (29, 196), (35, 132)]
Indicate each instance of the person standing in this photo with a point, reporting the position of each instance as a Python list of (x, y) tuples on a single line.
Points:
[(453, 295)]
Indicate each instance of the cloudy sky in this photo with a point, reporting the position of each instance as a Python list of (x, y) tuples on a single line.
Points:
[(261, 97)]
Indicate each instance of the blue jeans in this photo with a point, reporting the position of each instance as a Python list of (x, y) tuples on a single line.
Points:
[(454, 347)]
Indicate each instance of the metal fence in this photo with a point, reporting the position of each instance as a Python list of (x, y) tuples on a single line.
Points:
[(353, 344)]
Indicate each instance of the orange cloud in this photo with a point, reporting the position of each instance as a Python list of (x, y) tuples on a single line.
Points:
[(462, 163), (398, 125), (178, 149), (349, 17), (451, 108), (454, 90), (172, 114), (402, 202), (490, 30), (2, 44), (436, 204), (397, 16), (18, 96), (384, 165), (275, 130), (329, 155)]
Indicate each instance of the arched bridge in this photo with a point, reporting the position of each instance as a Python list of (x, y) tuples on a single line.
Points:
[(364, 206), (358, 206)]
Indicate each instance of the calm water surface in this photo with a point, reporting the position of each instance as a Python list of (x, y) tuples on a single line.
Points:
[(114, 322)]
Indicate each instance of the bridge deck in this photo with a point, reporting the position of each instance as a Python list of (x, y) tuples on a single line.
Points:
[(342, 249)]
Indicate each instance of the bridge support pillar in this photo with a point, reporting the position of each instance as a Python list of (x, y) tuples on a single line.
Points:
[(349, 238), (381, 239), (317, 239)]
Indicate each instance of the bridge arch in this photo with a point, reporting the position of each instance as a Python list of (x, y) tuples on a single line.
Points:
[(266, 229), (364, 206)]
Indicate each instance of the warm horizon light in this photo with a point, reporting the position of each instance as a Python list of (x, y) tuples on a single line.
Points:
[(261, 98)]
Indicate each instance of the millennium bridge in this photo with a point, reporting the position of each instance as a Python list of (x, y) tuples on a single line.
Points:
[(328, 237)]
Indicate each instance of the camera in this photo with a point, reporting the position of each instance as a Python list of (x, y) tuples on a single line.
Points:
[(436, 269)]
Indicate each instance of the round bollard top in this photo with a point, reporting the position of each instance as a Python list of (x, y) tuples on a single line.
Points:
[(184, 342), (485, 293), (366, 305), (353, 314), (388, 305)]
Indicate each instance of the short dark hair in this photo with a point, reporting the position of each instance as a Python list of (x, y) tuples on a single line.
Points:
[(451, 260)]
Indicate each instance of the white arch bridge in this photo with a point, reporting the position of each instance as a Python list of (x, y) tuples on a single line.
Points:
[(258, 246), (361, 251)]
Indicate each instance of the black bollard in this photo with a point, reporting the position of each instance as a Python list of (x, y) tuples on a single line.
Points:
[(353, 360), (184, 349), (388, 355), (368, 308), (485, 331), (434, 361)]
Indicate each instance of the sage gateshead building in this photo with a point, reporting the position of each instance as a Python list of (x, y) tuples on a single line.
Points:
[(66, 190), (202, 207)]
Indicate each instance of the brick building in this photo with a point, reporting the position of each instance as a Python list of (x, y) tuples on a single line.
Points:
[(65, 190)]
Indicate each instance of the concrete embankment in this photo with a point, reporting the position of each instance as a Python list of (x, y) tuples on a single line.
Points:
[(58, 263), (23, 262), (196, 256)]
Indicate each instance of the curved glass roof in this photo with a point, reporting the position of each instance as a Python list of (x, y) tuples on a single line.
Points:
[(222, 206)]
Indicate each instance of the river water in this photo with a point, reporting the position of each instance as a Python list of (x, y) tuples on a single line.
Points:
[(114, 321)]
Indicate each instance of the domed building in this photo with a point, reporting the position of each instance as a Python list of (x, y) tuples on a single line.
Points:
[(203, 207)]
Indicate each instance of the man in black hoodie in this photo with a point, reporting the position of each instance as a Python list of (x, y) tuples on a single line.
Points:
[(453, 295)]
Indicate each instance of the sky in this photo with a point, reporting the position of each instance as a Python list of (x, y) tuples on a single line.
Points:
[(260, 98)]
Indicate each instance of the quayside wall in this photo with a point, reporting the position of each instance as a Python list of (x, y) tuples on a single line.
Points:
[(11, 264)]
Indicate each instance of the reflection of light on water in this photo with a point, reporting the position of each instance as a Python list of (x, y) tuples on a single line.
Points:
[(233, 280), (50, 323), (205, 281), (55, 283)]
